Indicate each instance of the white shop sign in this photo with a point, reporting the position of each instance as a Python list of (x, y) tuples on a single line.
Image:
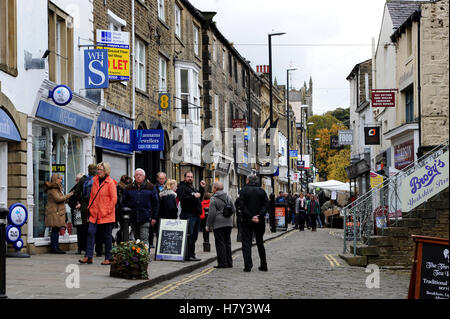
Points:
[(423, 184)]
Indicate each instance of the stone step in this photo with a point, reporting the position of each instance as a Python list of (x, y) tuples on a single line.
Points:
[(410, 222), (396, 231), (354, 260), (364, 250), (379, 241)]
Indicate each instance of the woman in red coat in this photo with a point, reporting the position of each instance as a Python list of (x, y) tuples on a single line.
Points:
[(102, 216), (204, 216)]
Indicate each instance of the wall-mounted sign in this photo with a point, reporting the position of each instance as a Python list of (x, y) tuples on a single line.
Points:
[(61, 95), (96, 69), (345, 137), (372, 135), (8, 129), (424, 183), (64, 117), (383, 98), (148, 140), (114, 132), (164, 101), (238, 123)]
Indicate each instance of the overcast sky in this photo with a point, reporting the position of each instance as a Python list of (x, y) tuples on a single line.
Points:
[(324, 39)]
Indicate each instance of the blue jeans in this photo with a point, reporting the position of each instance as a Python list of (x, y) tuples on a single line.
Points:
[(54, 238), (105, 231), (193, 229), (319, 221)]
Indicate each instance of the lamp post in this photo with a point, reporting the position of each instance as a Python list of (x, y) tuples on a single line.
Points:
[(302, 169), (288, 129), (272, 201)]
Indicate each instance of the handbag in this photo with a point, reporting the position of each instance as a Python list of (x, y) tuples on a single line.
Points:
[(77, 220)]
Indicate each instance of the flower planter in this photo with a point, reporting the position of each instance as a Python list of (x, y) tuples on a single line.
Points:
[(130, 260), (132, 271)]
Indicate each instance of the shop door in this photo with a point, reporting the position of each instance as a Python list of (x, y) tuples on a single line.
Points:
[(119, 165)]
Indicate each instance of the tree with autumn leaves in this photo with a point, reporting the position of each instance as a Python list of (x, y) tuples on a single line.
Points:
[(330, 163)]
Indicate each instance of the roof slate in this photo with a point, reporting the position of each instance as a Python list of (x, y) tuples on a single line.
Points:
[(401, 10)]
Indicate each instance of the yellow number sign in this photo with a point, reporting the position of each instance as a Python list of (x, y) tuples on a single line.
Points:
[(164, 101)]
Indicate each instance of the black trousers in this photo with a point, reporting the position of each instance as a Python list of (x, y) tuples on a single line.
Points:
[(301, 220), (313, 220), (247, 236), (82, 231), (204, 232), (222, 239)]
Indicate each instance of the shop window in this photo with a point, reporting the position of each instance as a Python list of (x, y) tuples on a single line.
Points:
[(60, 45), (8, 36), (74, 154)]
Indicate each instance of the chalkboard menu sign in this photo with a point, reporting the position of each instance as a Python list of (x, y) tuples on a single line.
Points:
[(171, 240), (430, 272)]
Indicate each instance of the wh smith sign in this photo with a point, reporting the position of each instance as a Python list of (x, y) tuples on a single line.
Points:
[(96, 69), (426, 182)]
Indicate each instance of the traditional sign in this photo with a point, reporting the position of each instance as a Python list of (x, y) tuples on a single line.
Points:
[(372, 135), (96, 69), (424, 183), (164, 101), (148, 140), (172, 240), (383, 98), (430, 271), (345, 137)]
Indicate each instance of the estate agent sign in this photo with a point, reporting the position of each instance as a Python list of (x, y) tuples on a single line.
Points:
[(424, 183)]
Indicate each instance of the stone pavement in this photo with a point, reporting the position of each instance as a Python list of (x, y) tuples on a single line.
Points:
[(44, 276)]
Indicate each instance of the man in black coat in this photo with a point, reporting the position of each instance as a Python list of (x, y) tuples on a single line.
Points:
[(191, 209), (254, 203)]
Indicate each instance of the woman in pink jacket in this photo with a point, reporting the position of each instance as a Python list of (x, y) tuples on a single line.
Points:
[(102, 204)]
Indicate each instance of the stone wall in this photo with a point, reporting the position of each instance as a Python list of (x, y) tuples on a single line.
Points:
[(435, 72)]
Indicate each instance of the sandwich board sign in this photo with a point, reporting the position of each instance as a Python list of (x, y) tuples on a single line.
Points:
[(172, 243)]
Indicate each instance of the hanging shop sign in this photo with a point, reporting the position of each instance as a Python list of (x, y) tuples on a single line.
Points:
[(383, 98), (425, 183), (164, 101), (404, 154), (96, 69), (118, 45), (293, 154), (8, 129), (62, 116), (61, 95), (372, 135), (238, 123), (148, 140)]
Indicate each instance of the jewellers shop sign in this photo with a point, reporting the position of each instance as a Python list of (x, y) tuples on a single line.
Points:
[(426, 182)]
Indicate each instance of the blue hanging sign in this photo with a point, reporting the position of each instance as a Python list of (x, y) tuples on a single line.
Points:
[(96, 69), (64, 117), (61, 95), (8, 129), (148, 140)]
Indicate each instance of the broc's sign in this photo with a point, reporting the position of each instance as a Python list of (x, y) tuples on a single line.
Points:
[(426, 182)]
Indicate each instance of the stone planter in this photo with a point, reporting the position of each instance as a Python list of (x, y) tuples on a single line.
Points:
[(132, 271)]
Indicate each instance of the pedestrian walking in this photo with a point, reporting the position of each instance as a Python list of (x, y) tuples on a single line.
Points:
[(75, 207), (191, 209), (125, 180), (221, 223), (254, 203), (142, 198), (313, 211), (55, 212), (102, 215), (168, 201), (206, 202), (307, 217), (300, 210)]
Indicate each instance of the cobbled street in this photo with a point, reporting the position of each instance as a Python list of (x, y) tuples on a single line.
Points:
[(302, 265)]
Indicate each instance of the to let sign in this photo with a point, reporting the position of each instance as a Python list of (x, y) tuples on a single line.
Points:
[(383, 99)]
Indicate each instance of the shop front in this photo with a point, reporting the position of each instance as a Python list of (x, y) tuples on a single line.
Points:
[(60, 142), (113, 142), (405, 142), (221, 174)]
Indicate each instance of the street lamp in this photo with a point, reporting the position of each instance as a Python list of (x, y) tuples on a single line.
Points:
[(288, 128), (272, 209)]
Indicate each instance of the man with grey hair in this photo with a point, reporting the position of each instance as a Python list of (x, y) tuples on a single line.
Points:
[(253, 203)]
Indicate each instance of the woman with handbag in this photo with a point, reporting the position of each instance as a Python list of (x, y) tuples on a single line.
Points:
[(55, 212), (102, 204)]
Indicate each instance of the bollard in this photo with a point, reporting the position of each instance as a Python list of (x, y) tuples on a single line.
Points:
[(3, 214), (126, 222)]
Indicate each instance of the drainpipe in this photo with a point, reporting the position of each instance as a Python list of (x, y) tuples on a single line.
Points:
[(133, 83), (419, 95)]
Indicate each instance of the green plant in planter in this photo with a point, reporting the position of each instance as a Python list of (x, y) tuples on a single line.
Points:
[(130, 260)]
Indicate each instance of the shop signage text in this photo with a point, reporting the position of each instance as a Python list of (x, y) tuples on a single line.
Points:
[(383, 98), (114, 132), (96, 69)]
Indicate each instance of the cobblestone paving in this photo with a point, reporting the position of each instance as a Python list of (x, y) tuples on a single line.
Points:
[(301, 265)]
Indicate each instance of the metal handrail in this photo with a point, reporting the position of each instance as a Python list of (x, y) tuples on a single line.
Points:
[(382, 199)]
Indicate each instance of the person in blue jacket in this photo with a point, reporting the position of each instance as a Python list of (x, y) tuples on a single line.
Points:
[(142, 198)]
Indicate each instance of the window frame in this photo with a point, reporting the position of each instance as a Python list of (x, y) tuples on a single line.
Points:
[(140, 65), (8, 36), (161, 10), (177, 23), (162, 76), (196, 32)]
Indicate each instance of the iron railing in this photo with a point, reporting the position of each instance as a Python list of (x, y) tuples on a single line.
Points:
[(372, 212)]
